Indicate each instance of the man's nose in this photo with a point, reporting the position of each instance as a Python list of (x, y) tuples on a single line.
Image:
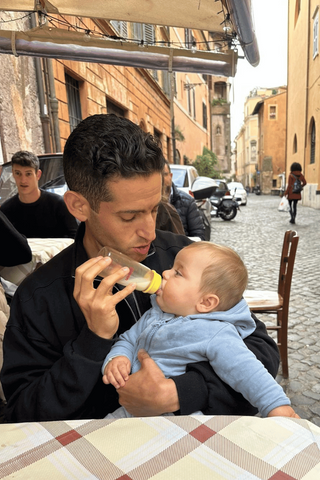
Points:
[(147, 229)]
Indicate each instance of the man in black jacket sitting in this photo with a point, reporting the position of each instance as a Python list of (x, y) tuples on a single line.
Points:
[(184, 204), (65, 318)]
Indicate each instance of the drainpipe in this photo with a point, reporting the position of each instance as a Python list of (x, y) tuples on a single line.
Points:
[(54, 106), (307, 91), (44, 117)]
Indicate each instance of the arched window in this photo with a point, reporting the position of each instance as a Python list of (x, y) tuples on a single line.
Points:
[(312, 141), (218, 130), (295, 144)]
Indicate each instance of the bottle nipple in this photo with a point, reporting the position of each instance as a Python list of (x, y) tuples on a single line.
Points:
[(155, 283)]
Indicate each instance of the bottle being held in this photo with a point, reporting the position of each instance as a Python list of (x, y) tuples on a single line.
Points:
[(146, 280)]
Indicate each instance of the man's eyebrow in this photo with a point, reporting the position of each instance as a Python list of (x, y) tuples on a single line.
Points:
[(141, 210)]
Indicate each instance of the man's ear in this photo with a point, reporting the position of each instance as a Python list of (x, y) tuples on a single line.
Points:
[(208, 303), (38, 174), (77, 205)]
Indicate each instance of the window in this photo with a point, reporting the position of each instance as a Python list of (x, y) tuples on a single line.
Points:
[(295, 144), (113, 108), (253, 145), (315, 33), (74, 104), (120, 27), (204, 116), (313, 141), (194, 102), (272, 112), (274, 183), (220, 90), (189, 39), (218, 130), (145, 32), (189, 108), (166, 82)]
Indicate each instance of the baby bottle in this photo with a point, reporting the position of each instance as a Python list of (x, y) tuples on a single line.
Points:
[(146, 280)]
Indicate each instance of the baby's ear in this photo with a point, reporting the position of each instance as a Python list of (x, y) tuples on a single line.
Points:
[(208, 303)]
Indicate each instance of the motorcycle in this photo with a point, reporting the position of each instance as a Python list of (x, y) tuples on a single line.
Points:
[(225, 207)]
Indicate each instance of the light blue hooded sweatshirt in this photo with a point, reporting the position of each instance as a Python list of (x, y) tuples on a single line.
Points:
[(174, 342)]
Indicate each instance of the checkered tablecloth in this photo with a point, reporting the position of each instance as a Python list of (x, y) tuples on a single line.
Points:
[(162, 448), (43, 249)]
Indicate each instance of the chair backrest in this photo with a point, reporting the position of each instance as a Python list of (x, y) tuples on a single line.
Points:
[(288, 255)]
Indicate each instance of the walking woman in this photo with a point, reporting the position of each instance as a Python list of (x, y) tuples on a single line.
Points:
[(296, 182)]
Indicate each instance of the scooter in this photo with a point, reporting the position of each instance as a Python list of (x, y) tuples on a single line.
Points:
[(224, 207)]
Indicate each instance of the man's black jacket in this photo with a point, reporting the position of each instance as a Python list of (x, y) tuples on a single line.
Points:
[(52, 361)]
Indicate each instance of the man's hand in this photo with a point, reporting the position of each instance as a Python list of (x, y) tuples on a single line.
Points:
[(99, 305), (147, 392), (117, 371)]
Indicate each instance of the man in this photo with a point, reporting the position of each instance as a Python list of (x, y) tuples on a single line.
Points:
[(184, 204), (64, 318), (34, 212)]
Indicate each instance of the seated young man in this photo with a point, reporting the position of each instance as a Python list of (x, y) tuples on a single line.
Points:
[(34, 212)]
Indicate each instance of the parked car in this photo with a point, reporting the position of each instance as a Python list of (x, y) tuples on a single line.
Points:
[(52, 178), (240, 193), (183, 176)]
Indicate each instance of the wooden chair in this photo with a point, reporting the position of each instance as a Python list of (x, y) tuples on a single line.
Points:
[(278, 302)]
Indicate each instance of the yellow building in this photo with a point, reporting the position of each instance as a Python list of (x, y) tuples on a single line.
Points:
[(247, 141), (303, 115), (271, 113)]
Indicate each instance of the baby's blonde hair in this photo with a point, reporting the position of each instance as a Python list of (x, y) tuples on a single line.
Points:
[(226, 275)]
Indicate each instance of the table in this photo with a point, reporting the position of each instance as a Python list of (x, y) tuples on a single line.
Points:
[(162, 448), (43, 249)]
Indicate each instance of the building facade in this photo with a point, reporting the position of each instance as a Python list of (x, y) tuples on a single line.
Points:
[(50, 97), (272, 116), (260, 148), (303, 116)]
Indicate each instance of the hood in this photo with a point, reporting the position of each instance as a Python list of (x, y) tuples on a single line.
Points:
[(239, 316)]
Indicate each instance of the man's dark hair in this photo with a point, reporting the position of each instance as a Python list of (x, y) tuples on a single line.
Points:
[(296, 167), (105, 146), (26, 159)]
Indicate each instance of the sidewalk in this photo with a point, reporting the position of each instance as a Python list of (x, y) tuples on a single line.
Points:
[(257, 235)]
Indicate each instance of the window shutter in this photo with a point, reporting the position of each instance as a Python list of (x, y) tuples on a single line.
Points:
[(148, 33)]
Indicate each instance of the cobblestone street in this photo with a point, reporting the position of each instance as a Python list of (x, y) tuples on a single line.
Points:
[(257, 235)]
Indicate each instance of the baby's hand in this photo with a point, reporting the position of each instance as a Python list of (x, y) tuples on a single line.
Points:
[(284, 411), (117, 372)]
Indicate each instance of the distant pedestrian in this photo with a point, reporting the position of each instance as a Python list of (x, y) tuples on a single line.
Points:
[(296, 182)]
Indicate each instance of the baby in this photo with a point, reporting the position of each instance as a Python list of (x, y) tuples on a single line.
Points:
[(199, 314)]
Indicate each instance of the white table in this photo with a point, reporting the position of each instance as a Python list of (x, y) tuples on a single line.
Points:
[(43, 249)]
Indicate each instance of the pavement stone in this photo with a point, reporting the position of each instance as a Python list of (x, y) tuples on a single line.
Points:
[(257, 234)]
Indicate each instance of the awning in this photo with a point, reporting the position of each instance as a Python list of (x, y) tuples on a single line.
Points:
[(231, 16)]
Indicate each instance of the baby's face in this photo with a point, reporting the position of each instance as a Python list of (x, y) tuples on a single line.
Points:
[(180, 290)]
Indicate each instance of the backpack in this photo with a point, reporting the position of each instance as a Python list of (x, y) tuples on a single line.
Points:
[(297, 186)]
